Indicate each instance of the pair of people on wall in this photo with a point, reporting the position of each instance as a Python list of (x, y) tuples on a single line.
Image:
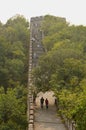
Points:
[(42, 102)]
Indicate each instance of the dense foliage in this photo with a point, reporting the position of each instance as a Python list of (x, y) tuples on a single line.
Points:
[(63, 67), (13, 109), (14, 42)]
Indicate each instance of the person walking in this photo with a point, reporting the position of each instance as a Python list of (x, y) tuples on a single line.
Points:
[(42, 102), (34, 98), (57, 103), (46, 103)]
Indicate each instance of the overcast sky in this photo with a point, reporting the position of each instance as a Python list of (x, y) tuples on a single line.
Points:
[(73, 10)]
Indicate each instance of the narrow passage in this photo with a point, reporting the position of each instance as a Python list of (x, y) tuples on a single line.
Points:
[(47, 119)]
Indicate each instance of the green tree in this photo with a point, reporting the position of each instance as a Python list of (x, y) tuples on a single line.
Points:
[(12, 111)]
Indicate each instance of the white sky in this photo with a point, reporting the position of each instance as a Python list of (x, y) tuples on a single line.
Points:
[(73, 10)]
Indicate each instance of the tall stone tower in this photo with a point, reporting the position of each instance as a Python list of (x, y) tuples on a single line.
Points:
[(36, 36)]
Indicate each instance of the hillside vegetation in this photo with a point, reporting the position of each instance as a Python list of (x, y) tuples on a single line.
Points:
[(14, 42)]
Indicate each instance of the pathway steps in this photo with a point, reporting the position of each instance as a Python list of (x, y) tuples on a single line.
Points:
[(47, 119)]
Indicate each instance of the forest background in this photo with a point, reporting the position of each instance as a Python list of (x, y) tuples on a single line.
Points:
[(62, 69)]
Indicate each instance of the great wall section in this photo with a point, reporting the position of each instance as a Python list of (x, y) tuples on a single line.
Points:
[(49, 121), (35, 50)]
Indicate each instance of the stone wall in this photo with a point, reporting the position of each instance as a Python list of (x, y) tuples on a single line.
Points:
[(35, 51), (36, 36)]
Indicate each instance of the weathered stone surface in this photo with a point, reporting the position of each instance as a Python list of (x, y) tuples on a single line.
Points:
[(31, 112), (35, 51), (31, 127)]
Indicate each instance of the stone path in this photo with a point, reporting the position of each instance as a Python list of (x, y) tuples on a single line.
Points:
[(47, 119)]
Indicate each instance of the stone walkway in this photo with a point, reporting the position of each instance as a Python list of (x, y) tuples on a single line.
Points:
[(47, 119)]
